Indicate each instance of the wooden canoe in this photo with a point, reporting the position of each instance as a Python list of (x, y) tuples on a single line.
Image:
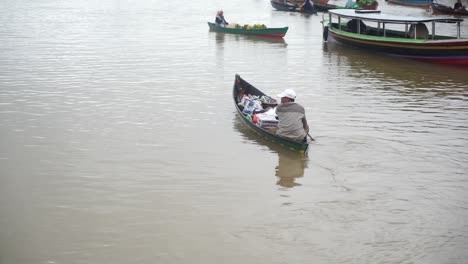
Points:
[(300, 147), (371, 6), (439, 9), (265, 32), (320, 6), (290, 7), (413, 3), (323, 7)]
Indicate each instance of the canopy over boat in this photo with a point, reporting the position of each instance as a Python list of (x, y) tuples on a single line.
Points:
[(376, 16)]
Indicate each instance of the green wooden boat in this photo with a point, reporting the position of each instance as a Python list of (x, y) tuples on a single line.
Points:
[(397, 35), (300, 147), (265, 32)]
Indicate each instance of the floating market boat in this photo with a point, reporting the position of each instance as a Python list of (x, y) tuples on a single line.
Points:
[(368, 4), (439, 9), (267, 133), (414, 41), (290, 7), (262, 32), (321, 7), (413, 3), (324, 6)]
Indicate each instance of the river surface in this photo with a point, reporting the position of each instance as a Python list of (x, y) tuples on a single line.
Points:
[(119, 142)]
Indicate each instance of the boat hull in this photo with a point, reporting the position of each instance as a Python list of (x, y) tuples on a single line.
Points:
[(267, 32), (439, 9), (290, 8), (414, 3), (447, 52), (321, 7), (300, 147), (372, 6)]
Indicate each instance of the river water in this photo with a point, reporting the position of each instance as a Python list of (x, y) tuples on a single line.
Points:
[(119, 142)]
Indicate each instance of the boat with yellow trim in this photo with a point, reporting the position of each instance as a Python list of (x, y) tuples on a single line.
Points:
[(396, 35)]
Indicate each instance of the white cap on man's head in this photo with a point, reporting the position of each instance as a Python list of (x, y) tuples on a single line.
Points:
[(288, 93)]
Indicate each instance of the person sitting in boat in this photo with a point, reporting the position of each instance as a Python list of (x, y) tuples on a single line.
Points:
[(458, 6), (220, 21), (292, 122), (418, 31), (352, 26), (308, 5), (241, 94)]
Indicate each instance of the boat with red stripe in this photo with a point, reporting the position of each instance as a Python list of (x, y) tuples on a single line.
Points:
[(403, 36)]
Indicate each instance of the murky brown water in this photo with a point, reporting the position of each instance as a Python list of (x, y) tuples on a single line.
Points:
[(119, 142)]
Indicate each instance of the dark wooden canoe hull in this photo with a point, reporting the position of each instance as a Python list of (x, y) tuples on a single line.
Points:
[(318, 6), (450, 51), (250, 89), (439, 9), (372, 6), (267, 32), (321, 7), (290, 8)]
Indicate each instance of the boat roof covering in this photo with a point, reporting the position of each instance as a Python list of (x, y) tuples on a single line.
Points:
[(372, 15)]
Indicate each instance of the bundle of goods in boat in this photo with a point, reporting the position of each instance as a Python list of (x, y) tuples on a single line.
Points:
[(266, 120)]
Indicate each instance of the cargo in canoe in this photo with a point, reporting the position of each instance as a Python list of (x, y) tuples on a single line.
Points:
[(268, 134)]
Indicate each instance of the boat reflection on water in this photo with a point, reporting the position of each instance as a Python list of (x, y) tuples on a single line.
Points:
[(391, 70), (221, 37), (291, 165)]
